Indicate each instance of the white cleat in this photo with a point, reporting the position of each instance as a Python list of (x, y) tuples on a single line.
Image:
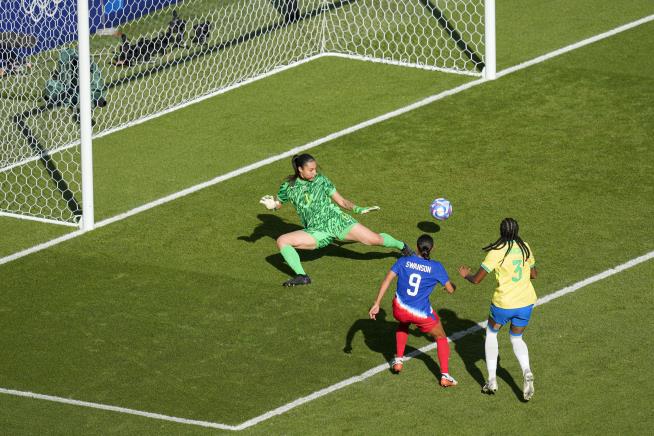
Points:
[(490, 387), (528, 388), (448, 381)]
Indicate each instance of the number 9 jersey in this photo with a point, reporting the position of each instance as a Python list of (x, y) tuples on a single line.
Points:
[(416, 279)]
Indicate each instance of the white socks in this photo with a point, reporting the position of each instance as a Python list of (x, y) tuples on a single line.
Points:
[(492, 351), (521, 352)]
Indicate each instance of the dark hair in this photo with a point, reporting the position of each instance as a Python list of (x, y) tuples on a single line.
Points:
[(298, 161), (425, 244), (509, 235)]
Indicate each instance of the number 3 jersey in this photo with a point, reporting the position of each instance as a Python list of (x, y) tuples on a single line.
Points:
[(512, 272), (416, 279)]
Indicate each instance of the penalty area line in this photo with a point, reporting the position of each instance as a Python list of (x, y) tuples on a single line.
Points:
[(337, 386), (116, 409), (452, 338)]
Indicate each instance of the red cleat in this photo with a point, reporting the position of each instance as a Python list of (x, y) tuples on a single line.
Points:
[(396, 365)]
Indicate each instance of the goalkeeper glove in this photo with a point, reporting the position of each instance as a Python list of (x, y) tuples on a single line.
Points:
[(270, 202), (364, 210)]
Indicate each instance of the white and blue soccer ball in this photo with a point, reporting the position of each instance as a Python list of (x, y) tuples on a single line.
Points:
[(441, 209)]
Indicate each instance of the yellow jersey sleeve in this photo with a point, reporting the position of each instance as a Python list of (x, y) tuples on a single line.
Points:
[(492, 260)]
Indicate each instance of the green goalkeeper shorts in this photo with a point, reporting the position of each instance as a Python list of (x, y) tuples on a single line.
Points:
[(324, 238)]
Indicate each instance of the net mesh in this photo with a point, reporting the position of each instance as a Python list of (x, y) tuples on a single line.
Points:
[(150, 56)]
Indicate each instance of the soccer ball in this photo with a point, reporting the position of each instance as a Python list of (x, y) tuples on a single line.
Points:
[(441, 209)]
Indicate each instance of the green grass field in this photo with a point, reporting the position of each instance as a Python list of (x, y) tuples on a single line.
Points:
[(179, 310)]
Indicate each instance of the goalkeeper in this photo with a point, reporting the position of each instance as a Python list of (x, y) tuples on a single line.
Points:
[(311, 193)]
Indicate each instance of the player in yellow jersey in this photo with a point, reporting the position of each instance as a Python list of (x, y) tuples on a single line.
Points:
[(514, 265)]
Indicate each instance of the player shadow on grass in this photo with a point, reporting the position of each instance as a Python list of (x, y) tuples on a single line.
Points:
[(470, 348), (272, 226), (379, 336)]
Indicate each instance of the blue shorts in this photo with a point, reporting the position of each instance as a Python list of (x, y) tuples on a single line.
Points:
[(519, 317)]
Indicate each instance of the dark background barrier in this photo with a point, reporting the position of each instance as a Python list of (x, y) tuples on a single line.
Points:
[(36, 25)]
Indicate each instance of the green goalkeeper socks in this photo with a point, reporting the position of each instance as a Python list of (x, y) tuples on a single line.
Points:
[(391, 242), (292, 259)]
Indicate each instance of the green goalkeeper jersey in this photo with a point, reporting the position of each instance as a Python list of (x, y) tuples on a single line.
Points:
[(312, 200)]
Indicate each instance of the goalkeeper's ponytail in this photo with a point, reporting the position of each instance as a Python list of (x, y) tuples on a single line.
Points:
[(298, 161), (425, 245)]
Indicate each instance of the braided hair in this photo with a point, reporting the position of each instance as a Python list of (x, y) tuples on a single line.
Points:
[(298, 161), (425, 244), (509, 235)]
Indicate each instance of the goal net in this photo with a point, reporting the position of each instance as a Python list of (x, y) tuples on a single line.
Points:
[(152, 56)]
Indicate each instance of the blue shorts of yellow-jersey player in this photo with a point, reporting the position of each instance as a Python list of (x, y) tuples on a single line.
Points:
[(324, 238), (518, 317)]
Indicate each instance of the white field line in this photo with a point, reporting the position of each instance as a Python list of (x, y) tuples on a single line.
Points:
[(36, 218), (576, 45), (454, 337), (335, 387), (247, 168), (226, 89), (239, 84), (116, 409), (347, 131), (182, 105), (403, 64)]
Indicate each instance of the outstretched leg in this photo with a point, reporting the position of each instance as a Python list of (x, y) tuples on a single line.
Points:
[(361, 233), (287, 244)]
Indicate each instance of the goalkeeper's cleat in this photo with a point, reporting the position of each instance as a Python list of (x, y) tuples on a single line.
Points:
[(447, 380), (298, 280), (407, 251), (490, 387), (397, 365), (528, 387)]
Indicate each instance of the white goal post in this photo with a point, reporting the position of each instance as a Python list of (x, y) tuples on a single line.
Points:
[(66, 76)]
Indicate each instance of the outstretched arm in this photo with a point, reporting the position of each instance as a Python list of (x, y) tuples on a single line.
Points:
[(342, 201), (348, 205), (270, 202), (374, 310), (464, 271)]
